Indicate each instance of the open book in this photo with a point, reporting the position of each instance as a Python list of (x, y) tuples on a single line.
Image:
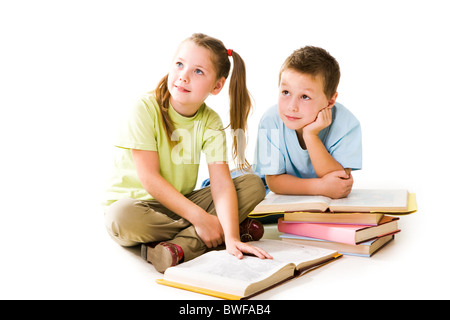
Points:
[(359, 200), (219, 274)]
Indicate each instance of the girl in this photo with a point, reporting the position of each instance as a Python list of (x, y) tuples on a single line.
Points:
[(151, 199)]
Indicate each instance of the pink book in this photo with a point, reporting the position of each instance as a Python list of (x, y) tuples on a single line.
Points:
[(351, 234)]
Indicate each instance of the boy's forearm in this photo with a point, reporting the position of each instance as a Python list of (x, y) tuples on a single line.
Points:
[(288, 184), (321, 159)]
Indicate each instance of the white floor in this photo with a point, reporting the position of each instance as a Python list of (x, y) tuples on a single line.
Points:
[(89, 265)]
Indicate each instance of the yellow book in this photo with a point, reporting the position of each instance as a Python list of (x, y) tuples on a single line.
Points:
[(358, 201), (219, 274)]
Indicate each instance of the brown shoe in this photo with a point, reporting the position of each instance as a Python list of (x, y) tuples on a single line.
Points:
[(162, 255), (251, 230)]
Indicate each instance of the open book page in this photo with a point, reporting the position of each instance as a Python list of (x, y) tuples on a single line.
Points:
[(293, 253), (282, 202), (372, 200), (359, 200), (220, 271)]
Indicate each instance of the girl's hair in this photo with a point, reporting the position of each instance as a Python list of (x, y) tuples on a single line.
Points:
[(240, 102)]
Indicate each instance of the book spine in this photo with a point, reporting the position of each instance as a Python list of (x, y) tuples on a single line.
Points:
[(319, 231), (363, 219)]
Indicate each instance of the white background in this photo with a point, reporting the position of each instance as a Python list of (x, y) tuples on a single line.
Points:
[(70, 69)]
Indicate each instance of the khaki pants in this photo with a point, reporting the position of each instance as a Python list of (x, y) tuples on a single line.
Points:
[(131, 222)]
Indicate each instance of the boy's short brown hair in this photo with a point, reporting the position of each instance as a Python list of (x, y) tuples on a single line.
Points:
[(315, 61)]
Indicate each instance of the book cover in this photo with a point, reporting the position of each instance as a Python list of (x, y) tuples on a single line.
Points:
[(337, 218), (350, 234), (364, 249)]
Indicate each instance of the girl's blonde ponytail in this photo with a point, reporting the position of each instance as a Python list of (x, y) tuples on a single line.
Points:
[(162, 96), (240, 106)]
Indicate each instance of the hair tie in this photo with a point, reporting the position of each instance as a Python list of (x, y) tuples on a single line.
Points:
[(229, 51)]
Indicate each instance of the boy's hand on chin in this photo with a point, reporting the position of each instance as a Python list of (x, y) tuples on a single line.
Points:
[(323, 120)]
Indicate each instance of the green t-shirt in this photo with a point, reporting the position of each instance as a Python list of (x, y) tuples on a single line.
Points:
[(179, 164)]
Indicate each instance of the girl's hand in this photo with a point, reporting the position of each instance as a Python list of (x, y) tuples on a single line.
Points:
[(210, 230), (238, 248), (323, 120)]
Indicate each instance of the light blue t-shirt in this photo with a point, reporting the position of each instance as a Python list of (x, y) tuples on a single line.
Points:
[(278, 150)]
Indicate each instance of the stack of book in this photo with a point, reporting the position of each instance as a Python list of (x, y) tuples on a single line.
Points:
[(360, 224)]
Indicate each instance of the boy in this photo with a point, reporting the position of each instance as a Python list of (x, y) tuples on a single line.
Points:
[(309, 144)]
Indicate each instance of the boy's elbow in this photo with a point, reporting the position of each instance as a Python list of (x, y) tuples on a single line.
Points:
[(279, 183), (272, 183)]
